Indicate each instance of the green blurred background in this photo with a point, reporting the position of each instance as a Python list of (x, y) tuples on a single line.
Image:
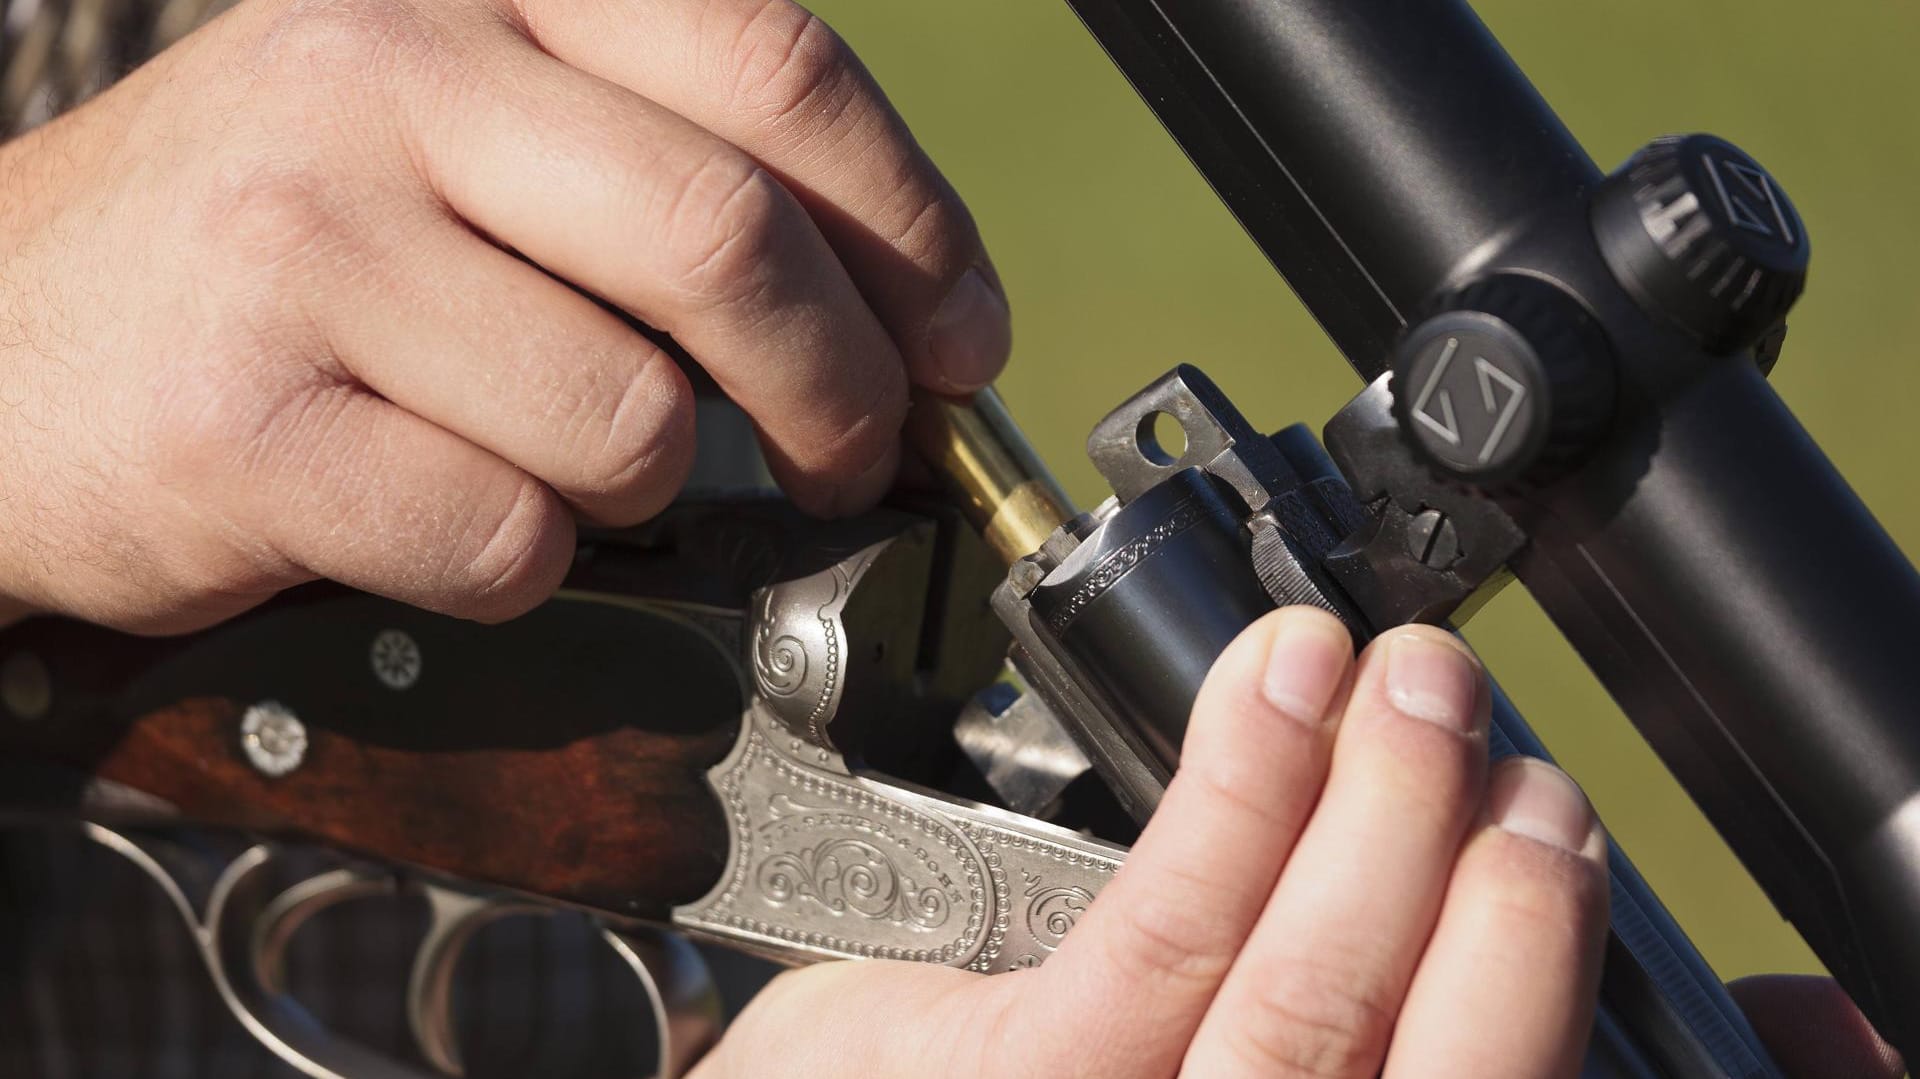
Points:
[(1120, 263)]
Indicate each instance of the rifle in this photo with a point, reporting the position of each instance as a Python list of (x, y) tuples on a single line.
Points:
[(1566, 379)]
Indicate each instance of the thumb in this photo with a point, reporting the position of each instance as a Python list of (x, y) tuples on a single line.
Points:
[(866, 1017), (1813, 1030)]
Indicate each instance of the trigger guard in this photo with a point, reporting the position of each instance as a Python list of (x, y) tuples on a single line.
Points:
[(453, 919), (227, 929), (680, 992), (241, 926), (287, 912), (681, 995)]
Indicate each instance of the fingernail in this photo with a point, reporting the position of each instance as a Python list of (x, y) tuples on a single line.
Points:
[(1431, 680), (861, 492), (971, 335), (1534, 799), (1305, 663)]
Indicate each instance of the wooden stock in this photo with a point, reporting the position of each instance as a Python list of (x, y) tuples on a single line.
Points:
[(545, 755)]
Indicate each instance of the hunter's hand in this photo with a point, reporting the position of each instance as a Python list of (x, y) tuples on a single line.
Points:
[(307, 296), (1333, 886)]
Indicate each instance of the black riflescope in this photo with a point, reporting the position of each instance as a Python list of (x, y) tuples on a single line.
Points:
[(1697, 548)]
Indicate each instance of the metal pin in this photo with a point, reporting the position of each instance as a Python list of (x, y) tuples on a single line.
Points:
[(274, 738), (396, 659)]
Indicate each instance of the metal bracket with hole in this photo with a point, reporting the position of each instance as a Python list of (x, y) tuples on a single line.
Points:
[(1254, 516)]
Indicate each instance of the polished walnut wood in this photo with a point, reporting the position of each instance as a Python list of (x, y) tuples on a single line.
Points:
[(562, 754)]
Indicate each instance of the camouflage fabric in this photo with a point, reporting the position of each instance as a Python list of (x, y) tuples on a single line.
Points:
[(55, 54)]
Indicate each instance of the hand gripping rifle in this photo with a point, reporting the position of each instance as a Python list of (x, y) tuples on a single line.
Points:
[(795, 738)]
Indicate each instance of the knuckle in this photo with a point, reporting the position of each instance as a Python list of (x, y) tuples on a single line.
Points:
[(869, 417), (516, 555), (807, 87), (332, 43), (1526, 886), (923, 216), (1232, 783), (1421, 767), (1156, 942), (730, 219), (1309, 1021), (792, 70), (925, 213), (637, 440), (268, 224)]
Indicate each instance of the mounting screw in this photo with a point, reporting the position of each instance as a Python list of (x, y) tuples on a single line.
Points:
[(1431, 539), (25, 686), (396, 659), (274, 738)]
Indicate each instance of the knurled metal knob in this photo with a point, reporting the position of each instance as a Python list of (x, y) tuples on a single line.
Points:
[(1699, 234), (1510, 382)]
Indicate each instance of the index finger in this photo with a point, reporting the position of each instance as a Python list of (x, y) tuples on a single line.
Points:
[(639, 206), (1130, 984), (773, 79)]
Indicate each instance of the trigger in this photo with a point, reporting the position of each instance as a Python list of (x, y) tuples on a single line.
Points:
[(452, 920), (293, 908)]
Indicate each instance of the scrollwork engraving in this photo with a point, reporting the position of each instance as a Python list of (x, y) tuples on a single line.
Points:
[(1122, 560), (851, 876), (796, 649), (781, 663), (824, 864), (1051, 912)]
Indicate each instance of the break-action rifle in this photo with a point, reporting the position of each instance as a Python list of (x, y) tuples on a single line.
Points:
[(795, 737)]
